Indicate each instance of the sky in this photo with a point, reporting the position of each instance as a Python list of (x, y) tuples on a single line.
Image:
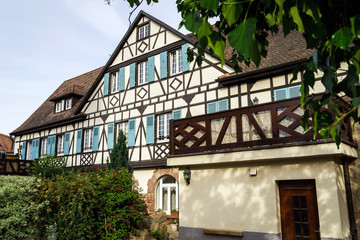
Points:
[(44, 43)]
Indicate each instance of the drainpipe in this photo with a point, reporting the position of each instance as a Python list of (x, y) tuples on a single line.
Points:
[(349, 199)]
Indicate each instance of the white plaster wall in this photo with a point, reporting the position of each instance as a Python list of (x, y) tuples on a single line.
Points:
[(229, 198)]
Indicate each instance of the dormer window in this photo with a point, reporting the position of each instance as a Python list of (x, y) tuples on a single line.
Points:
[(144, 31), (68, 104), (58, 107)]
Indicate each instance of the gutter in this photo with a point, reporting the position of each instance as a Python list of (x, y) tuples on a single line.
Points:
[(349, 199), (79, 117), (260, 73)]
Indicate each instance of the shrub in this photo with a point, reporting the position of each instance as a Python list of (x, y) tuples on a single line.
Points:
[(48, 166), (157, 235), (19, 216), (93, 205)]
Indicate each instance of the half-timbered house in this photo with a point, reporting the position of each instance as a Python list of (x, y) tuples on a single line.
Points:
[(252, 165)]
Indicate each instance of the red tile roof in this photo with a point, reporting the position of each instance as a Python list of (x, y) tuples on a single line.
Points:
[(6, 144)]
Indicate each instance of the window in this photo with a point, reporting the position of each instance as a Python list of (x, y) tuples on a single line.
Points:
[(166, 195), (143, 72), (114, 82), (28, 150), (124, 127), (43, 147), (58, 107), (217, 106), (286, 93), (68, 103), (163, 122), (60, 144), (176, 62), (144, 31), (88, 140)]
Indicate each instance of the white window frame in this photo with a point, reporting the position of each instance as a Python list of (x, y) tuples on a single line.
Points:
[(143, 72), (88, 140), (287, 92), (144, 31), (176, 62), (43, 147), (124, 127), (161, 186), (58, 107), (114, 81), (60, 144), (163, 127), (28, 150), (68, 104)]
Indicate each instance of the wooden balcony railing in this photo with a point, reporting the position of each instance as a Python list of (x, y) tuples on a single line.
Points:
[(15, 166), (260, 125)]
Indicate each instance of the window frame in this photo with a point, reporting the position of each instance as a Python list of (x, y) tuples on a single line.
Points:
[(179, 62), (42, 146), (287, 92), (159, 187), (146, 33), (143, 76), (125, 125), (66, 104), (89, 141), (28, 150), (60, 144), (58, 109), (114, 82), (166, 129)]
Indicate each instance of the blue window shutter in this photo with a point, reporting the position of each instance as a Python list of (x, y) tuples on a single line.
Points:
[(110, 136), (132, 75), (106, 84), (185, 63), (212, 107), (78, 141), (131, 133), (280, 94), (121, 79), (95, 142), (294, 91), (51, 145), (67, 143), (23, 151), (150, 129), (35, 149), (163, 65), (176, 114), (151, 68), (223, 105)]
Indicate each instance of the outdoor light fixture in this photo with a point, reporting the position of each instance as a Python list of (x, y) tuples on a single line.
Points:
[(255, 100), (187, 176)]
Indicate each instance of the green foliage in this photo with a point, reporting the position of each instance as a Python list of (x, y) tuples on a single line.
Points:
[(48, 166), (20, 217), (331, 28), (93, 205), (157, 235), (119, 156)]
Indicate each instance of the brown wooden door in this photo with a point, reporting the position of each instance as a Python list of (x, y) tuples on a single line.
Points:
[(299, 212)]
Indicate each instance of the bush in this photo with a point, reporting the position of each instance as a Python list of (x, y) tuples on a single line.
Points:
[(93, 205), (19, 216), (48, 166)]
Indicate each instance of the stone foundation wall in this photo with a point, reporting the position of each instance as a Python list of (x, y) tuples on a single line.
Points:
[(354, 169)]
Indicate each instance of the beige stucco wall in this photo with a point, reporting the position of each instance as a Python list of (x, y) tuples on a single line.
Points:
[(227, 197)]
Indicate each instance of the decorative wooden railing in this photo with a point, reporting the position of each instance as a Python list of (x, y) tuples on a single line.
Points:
[(15, 166), (260, 125)]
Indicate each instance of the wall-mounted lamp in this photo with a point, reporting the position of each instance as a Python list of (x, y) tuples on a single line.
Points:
[(187, 176), (255, 100)]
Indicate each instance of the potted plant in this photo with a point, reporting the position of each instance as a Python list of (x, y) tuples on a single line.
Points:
[(158, 211), (174, 226), (174, 212)]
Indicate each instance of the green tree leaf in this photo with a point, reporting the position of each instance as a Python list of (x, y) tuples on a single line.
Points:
[(342, 38), (231, 11), (204, 30), (294, 12), (217, 44), (270, 19), (192, 21), (241, 38), (328, 80), (210, 5), (355, 25)]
